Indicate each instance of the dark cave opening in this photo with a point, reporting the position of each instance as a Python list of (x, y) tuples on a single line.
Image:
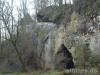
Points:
[(64, 58)]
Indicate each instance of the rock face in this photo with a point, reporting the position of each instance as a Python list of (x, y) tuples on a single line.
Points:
[(43, 36), (48, 51), (55, 54), (76, 44), (47, 32), (44, 26), (95, 44), (48, 54), (74, 36)]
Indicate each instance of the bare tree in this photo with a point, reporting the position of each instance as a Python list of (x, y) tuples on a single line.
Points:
[(12, 28), (39, 4), (0, 35), (24, 8), (56, 2), (60, 2)]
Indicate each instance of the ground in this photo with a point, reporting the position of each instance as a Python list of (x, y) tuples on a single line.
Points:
[(46, 73), (36, 73)]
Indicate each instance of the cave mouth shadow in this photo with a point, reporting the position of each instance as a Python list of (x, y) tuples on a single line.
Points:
[(64, 58)]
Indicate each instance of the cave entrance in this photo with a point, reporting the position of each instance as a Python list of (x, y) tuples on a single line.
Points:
[(64, 59)]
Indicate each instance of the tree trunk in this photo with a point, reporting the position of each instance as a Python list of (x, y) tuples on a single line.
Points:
[(0, 36), (23, 65), (60, 2)]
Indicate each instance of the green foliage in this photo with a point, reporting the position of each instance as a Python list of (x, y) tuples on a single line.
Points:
[(83, 54), (86, 52), (56, 15), (74, 22), (94, 60)]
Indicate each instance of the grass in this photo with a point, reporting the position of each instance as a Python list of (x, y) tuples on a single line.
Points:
[(36, 73), (45, 73)]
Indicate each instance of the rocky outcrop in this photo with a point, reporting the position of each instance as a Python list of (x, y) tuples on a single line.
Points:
[(95, 44), (55, 14), (46, 32)]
